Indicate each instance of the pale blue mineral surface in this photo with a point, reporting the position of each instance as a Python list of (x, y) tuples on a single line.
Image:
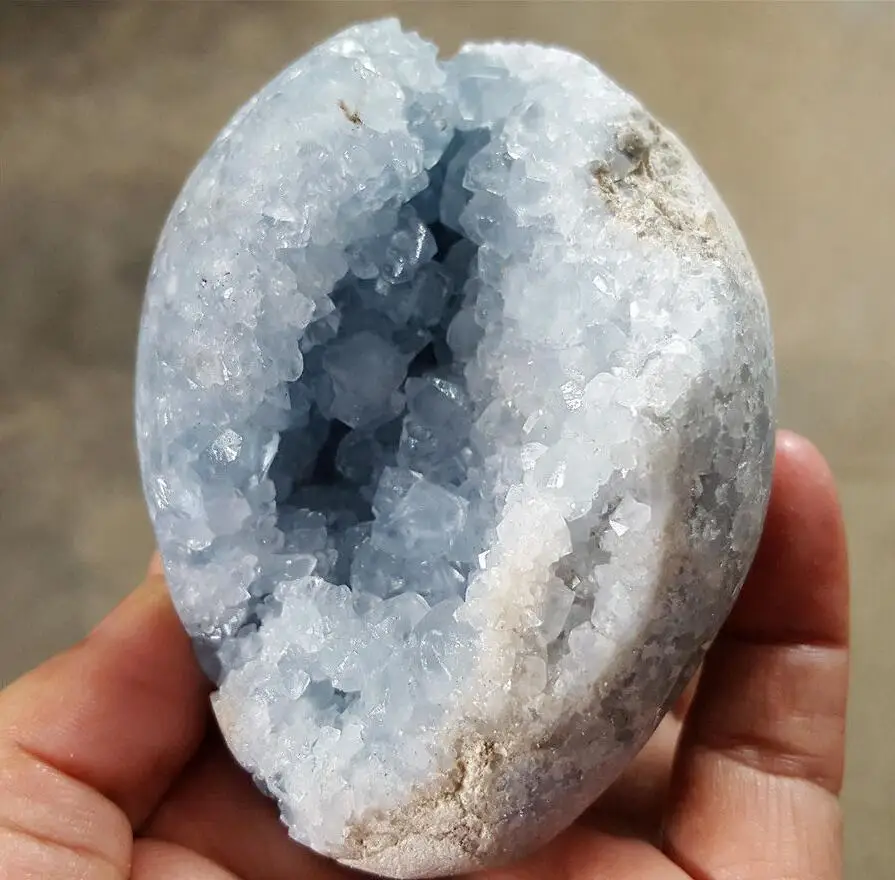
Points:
[(454, 409)]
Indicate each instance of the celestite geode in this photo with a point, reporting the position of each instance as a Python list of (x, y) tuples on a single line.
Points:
[(454, 408)]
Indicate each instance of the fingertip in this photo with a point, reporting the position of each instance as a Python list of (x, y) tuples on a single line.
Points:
[(155, 569), (801, 466), (148, 607), (797, 588)]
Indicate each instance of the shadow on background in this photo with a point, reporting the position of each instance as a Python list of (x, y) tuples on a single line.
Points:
[(104, 109)]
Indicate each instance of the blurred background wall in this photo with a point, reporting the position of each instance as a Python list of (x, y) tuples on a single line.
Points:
[(104, 109)]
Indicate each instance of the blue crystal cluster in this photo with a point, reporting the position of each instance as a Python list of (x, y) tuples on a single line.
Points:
[(454, 409)]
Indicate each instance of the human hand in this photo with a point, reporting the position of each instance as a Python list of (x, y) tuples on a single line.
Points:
[(109, 767)]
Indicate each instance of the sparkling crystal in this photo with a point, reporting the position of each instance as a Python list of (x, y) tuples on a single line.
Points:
[(454, 407)]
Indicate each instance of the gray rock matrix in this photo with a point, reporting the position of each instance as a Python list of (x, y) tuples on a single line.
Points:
[(454, 407)]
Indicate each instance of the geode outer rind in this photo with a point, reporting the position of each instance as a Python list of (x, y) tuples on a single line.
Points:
[(454, 409)]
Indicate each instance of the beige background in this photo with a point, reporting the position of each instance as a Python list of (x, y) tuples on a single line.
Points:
[(104, 109)]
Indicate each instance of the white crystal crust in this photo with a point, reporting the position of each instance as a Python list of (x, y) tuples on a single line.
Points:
[(455, 416)]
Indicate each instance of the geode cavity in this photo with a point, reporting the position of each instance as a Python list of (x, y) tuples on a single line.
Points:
[(454, 411)]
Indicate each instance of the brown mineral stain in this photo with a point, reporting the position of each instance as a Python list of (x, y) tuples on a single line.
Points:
[(351, 115), (649, 184)]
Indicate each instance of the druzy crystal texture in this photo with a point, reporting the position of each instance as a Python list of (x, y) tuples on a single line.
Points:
[(454, 407)]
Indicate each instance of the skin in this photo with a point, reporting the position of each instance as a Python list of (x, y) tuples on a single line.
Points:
[(110, 766)]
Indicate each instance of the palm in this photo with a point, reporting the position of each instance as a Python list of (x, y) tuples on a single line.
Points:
[(109, 768)]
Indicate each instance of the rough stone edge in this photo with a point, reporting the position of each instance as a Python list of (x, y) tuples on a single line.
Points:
[(652, 184)]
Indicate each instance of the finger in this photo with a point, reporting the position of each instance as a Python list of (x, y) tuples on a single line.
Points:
[(583, 853), (90, 740), (760, 761), (155, 568), (216, 810), (55, 827), (682, 704), (154, 860)]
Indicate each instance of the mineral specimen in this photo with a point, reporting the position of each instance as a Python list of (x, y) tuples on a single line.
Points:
[(454, 410)]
